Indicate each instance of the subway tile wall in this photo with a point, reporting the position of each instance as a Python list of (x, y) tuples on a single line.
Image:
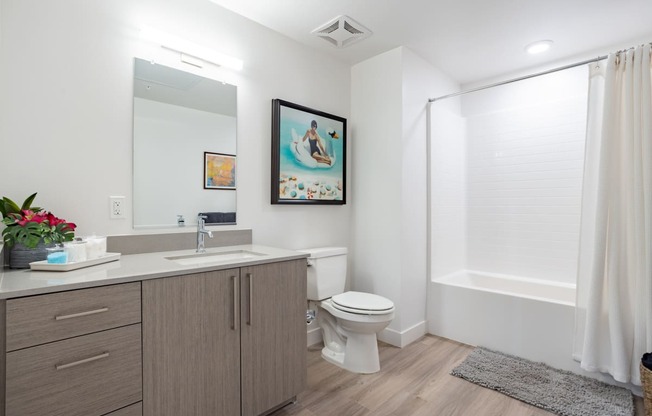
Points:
[(524, 170), (448, 192)]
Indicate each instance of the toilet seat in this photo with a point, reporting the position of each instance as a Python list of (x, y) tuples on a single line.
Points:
[(362, 303)]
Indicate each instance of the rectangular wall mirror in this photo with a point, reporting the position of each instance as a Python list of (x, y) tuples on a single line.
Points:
[(184, 148)]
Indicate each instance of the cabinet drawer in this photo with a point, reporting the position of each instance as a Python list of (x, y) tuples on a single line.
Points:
[(89, 375), (39, 319), (133, 410)]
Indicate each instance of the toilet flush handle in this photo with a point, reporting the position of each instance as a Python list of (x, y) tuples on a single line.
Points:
[(310, 263)]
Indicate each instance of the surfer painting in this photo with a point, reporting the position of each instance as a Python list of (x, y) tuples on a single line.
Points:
[(313, 151), (317, 149), (307, 168)]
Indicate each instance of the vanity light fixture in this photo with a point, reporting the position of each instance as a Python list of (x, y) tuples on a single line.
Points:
[(190, 53), (538, 46)]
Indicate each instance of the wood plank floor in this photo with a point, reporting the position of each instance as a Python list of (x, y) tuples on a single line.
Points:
[(414, 381)]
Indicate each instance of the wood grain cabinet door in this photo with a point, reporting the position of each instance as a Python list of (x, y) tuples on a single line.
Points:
[(273, 345), (191, 345)]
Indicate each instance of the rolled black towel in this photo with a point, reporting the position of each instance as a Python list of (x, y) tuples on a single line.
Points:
[(647, 360), (219, 217), (213, 217)]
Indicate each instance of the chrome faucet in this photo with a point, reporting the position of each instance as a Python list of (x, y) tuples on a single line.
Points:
[(201, 232)]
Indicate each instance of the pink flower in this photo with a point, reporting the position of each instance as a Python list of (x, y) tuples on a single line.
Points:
[(31, 216), (39, 218), (55, 221), (70, 226)]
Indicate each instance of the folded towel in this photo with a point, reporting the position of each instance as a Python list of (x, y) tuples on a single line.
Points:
[(218, 217)]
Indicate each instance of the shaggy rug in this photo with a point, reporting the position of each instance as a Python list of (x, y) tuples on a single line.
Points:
[(557, 391)]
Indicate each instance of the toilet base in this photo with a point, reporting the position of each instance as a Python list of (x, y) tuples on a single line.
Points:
[(333, 357), (360, 354)]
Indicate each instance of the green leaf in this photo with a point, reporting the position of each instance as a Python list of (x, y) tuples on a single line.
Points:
[(28, 202), (8, 207)]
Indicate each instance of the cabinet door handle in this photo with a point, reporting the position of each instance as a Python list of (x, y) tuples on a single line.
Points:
[(235, 303), (251, 297), (80, 362), (80, 314)]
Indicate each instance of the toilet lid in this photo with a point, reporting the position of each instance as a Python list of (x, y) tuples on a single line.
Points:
[(365, 303)]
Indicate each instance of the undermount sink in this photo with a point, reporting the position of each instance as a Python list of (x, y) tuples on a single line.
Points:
[(222, 256)]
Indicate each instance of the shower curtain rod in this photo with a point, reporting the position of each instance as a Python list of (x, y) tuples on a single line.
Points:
[(550, 71)]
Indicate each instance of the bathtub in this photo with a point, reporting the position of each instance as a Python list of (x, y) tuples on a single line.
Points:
[(529, 318)]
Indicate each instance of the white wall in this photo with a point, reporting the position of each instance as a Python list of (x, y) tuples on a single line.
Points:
[(525, 164), (376, 107), (66, 107), (388, 102)]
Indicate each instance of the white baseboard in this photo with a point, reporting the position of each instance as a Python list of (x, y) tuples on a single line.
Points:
[(388, 335), (403, 338), (314, 334)]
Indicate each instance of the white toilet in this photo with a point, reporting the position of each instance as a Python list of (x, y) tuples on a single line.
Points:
[(349, 320)]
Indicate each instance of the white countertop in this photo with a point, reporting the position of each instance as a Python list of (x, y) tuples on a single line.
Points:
[(130, 268)]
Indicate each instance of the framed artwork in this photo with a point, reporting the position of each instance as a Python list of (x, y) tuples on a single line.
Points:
[(219, 171), (308, 156)]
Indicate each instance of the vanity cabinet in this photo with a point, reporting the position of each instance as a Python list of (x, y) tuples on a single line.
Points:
[(273, 334), (229, 342), (191, 358), (75, 353)]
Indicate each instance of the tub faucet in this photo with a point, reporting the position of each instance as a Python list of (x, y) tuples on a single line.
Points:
[(201, 232)]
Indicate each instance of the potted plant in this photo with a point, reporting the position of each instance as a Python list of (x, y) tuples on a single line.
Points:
[(30, 230)]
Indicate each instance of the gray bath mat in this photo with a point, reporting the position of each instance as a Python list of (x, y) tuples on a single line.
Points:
[(557, 391)]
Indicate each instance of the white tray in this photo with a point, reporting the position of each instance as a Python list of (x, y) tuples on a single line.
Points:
[(64, 267)]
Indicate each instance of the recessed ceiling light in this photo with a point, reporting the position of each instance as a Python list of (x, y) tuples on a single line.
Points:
[(538, 47)]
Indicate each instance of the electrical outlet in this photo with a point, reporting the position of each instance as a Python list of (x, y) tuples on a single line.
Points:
[(117, 207)]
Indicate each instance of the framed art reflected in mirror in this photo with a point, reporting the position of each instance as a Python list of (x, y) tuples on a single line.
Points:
[(219, 171)]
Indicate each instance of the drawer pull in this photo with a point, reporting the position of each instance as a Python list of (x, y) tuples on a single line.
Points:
[(80, 314), (80, 362)]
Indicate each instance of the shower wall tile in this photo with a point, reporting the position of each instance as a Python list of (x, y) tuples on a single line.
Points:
[(524, 181), (448, 193)]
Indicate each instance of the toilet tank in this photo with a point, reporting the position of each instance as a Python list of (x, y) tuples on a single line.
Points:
[(326, 272)]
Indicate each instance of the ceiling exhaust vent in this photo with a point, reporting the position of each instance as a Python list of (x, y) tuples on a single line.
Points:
[(342, 32)]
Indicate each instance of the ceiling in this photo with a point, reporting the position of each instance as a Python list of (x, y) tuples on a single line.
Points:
[(470, 40)]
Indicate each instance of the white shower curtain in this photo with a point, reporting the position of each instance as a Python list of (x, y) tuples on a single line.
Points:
[(614, 285)]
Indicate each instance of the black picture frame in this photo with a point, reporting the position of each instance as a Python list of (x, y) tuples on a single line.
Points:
[(308, 163)]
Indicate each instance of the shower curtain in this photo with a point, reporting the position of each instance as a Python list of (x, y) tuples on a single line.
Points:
[(614, 285)]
